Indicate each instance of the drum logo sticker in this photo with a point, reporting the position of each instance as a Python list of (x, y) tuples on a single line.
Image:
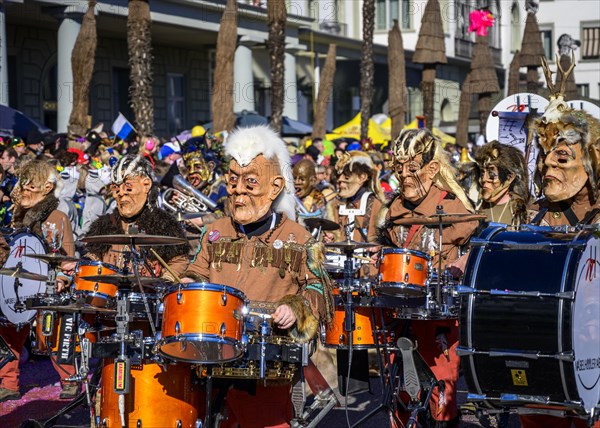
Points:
[(519, 377)]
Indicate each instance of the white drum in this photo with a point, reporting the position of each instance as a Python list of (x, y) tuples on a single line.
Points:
[(21, 243)]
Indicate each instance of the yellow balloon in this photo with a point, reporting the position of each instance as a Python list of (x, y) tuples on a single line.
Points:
[(198, 131)]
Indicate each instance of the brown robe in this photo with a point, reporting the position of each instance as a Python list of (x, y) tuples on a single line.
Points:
[(454, 235), (257, 267)]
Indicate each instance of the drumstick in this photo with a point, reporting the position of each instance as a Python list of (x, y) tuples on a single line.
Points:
[(166, 266)]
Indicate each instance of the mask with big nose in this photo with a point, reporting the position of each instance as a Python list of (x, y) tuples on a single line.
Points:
[(253, 188)]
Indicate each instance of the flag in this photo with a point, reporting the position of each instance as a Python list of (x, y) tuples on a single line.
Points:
[(122, 128)]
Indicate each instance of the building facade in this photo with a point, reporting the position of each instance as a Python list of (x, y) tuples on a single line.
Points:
[(37, 37)]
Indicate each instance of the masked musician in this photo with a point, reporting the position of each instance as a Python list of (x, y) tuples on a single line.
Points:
[(201, 165), (360, 195), (569, 171), (262, 252), (135, 192), (426, 182), (502, 183), (305, 181), (36, 208)]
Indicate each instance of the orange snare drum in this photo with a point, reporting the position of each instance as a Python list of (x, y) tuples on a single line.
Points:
[(97, 294), (202, 323), (156, 398), (363, 336), (47, 329), (403, 272)]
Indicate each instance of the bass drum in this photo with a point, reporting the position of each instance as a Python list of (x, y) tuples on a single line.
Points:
[(530, 319), (22, 243)]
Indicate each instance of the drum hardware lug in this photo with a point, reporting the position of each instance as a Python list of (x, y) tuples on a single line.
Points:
[(568, 295), (198, 423), (179, 424), (342, 339), (139, 423), (104, 422), (161, 308), (224, 299), (462, 351), (406, 277), (179, 297), (223, 330), (177, 327), (567, 356), (95, 287), (408, 259)]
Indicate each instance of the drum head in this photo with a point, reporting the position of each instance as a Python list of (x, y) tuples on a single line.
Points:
[(586, 325), (20, 244)]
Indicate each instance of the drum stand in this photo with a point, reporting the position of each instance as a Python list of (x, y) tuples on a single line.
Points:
[(419, 382)]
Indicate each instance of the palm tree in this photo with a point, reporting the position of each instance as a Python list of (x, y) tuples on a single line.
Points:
[(139, 43), (397, 80), (366, 67), (276, 17), (222, 99), (325, 89), (82, 63)]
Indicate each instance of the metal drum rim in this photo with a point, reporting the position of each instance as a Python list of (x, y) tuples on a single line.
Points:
[(205, 286), (235, 344), (96, 263), (393, 250)]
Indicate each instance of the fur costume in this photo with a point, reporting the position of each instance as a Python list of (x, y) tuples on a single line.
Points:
[(357, 161), (151, 220), (33, 217), (509, 160), (307, 325), (412, 142), (245, 144)]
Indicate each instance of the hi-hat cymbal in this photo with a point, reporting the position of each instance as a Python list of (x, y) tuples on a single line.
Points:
[(436, 219), (351, 245), (53, 258), (118, 279), (140, 239), (323, 223), (23, 274), (77, 308)]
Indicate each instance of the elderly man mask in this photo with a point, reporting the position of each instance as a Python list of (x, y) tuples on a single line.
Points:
[(563, 171), (253, 188)]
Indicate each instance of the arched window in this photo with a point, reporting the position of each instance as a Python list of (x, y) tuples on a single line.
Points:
[(447, 112), (515, 27)]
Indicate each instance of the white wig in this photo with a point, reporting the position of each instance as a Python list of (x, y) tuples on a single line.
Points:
[(245, 144)]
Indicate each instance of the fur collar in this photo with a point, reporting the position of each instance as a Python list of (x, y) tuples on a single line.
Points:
[(33, 217), (153, 221)]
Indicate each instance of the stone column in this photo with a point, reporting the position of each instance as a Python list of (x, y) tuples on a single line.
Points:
[(3, 58), (290, 86), (243, 78), (70, 23)]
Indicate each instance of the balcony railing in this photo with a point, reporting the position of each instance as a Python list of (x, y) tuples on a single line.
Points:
[(334, 27), (464, 49)]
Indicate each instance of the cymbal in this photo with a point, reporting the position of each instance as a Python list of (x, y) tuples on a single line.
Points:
[(435, 220), (118, 279), (351, 245), (140, 239), (23, 274), (75, 307), (53, 258), (323, 223)]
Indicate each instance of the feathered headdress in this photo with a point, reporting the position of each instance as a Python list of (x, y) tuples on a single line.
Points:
[(357, 161), (412, 142), (245, 144)]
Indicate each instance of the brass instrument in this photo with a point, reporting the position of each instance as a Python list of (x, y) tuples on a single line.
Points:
[(185, 198)]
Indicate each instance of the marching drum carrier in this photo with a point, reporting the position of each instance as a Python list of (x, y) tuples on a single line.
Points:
[(530, 320)]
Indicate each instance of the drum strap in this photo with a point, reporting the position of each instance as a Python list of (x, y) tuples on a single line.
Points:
[(538, 218), (591, 215), (569, 214), (66, 344)]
